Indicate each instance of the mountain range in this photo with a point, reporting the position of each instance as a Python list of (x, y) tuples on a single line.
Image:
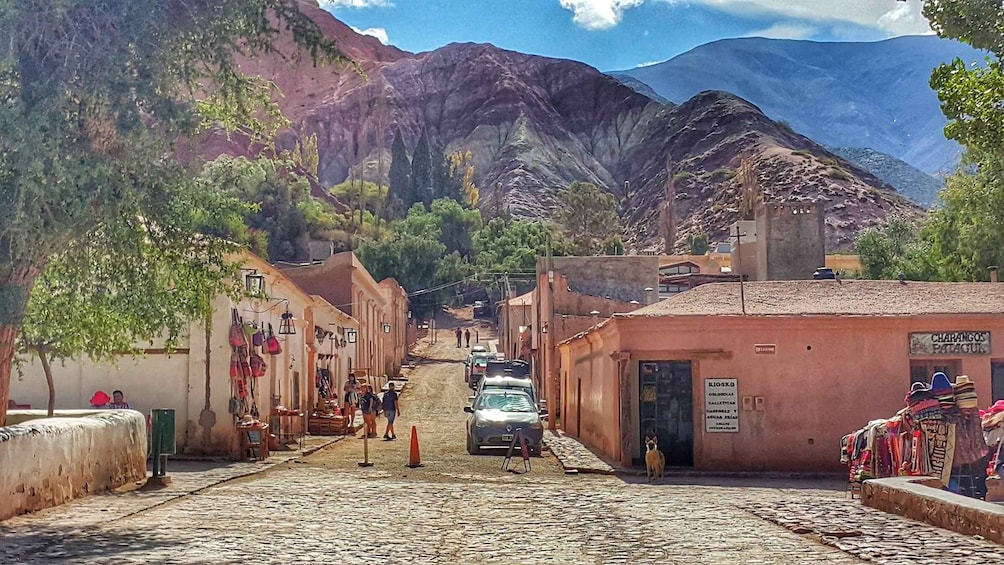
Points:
[(870, 95), (534, 125)]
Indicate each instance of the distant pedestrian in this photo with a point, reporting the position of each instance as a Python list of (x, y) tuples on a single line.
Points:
[(391, 409), (460, 336), (467, 336), (369, 403)]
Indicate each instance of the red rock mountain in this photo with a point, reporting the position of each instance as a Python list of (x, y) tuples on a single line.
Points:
[(535, 124)]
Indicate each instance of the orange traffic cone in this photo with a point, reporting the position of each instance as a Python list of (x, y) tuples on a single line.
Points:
[(414, 460)]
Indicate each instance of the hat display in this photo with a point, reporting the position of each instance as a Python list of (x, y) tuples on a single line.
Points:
[(941, 388), (965, 392), (100, 398), (923, 404)]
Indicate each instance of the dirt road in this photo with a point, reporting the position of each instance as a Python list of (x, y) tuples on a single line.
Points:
[(433, 402)]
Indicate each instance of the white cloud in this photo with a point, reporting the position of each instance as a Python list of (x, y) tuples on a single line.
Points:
[(649, 64), (598, 14), (785, 31), (890, 16), (377, 32), (356, 4)]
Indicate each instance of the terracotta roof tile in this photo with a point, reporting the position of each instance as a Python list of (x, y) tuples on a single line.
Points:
[(848, 297)]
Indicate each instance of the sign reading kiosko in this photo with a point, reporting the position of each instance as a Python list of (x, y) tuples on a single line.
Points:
[(949, 343)]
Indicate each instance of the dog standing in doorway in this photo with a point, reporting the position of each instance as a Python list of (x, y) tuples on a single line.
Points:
[(655, 461)]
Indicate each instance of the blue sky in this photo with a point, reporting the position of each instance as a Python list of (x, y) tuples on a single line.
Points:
[(619, 34)]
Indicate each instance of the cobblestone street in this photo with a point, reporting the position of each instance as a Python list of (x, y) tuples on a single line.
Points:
[(457, 508)]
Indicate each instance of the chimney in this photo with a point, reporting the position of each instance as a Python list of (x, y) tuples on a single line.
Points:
[(993, 274)]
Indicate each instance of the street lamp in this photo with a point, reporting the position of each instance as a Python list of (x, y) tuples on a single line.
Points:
[(286, 326), (254, 283), (386, 328), (351, 335)]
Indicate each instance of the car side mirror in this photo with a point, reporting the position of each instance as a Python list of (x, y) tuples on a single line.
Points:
[(542, 412), (471, 399), (469, 409)]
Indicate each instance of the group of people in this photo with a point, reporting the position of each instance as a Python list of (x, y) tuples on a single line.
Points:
[(464, 334), (370, 404)]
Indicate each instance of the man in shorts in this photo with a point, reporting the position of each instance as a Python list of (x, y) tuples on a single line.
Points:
[(391, 409)]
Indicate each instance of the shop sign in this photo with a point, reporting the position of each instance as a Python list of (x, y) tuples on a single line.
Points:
[(764, 349), (949, 344), (721, 405)]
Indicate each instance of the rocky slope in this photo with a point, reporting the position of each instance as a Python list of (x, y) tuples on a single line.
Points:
[(842, 94), (535, 124), (908, 180)]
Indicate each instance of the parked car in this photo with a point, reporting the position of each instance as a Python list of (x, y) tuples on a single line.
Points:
[(507, 367), (481, 309), (497, 415), (475, 371), (479, 349), (505, 383)]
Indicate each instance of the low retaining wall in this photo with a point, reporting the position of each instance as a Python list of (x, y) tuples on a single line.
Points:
[(47, 462), (922, 499)]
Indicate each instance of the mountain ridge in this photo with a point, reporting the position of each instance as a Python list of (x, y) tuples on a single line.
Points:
[(849, 94), (535, 124)]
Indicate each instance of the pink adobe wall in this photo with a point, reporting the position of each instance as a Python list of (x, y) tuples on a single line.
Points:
[(593, 417), (856, 370)]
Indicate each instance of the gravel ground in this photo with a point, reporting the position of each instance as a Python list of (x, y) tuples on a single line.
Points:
[(434, 400)]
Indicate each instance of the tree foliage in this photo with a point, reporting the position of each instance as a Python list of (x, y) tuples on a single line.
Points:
[(92, 97), (399, 193), (506, 246), (957, 241), (422, 189), (588, 217), (971, 95)]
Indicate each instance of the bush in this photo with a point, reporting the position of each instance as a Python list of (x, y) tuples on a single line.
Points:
[(802, 153), (720, 175), (839, 174), (682, 176)]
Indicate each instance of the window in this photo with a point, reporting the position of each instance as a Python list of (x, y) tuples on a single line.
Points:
[(921, 370), (680, 269)]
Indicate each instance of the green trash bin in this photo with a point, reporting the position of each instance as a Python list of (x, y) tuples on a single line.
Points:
[(162, 439)]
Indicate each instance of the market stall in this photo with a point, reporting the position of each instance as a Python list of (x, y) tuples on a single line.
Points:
[(938, 433)]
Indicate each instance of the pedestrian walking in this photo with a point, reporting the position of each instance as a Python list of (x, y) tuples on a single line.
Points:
[(351, 390), (460, 336), (391, 409), (467, 335), (369, 403)]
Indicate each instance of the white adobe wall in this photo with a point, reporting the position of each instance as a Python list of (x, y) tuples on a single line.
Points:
[(48, 462)]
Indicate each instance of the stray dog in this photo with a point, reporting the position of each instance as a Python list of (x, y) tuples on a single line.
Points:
[(655, 461)]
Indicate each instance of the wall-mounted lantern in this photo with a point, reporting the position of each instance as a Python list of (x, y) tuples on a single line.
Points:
[(286, 326), (543, 329), (254, 283), (319, 335), (351, 335), (386, 328)]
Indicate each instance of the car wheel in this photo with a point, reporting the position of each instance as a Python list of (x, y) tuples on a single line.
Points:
[(472, 447)]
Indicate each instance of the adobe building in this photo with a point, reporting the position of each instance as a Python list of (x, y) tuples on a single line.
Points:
[(344, 282), (776, 388), (786, 241)]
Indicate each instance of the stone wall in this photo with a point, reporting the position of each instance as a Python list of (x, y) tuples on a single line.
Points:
[(921, 498), (47, 462)]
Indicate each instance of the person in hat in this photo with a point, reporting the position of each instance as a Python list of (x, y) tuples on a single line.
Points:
[(100, 399), (391, 409)]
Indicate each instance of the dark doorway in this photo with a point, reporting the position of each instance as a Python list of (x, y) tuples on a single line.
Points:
[(997, 380), (666, 404)]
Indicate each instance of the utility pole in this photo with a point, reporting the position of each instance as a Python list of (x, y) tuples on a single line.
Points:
[(552, 379), (739, 268)]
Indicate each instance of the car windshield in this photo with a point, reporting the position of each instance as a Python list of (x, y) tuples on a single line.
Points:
[(506, 403)]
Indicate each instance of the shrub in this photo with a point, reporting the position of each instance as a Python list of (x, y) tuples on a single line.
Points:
[(839, 174)]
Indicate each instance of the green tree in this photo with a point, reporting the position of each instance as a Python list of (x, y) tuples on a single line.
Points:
[(971, 96), (894, 249), (457, 226), (399, 192), (698, 244), (92, 97), (421, 172), (512, 247), (119, 287), (588, 217)]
